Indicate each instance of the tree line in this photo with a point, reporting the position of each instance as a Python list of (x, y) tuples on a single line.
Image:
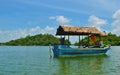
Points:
[(111, 39), (39, 39), (46, 39)]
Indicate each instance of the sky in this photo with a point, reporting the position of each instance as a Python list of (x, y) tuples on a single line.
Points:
[(19, 18)]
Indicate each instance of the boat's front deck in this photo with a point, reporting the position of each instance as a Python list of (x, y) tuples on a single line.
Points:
[(65, 47)]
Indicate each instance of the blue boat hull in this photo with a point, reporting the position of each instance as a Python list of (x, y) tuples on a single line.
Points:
[(66, 51)]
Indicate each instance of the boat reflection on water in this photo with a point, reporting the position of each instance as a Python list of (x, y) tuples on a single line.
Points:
[(80, 65)]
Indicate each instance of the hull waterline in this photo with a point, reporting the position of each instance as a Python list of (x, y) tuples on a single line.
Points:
[(66, 51)]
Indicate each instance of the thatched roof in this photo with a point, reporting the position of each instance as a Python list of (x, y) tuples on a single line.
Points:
[(77, 30), (103, 33)]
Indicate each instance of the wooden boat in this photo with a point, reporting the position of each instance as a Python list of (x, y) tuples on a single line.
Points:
[(67, 51)]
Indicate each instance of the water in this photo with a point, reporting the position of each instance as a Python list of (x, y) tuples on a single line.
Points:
[(35, 60)]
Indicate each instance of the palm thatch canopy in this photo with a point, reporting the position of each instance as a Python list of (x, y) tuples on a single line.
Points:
[(77, 30), (103, 33)]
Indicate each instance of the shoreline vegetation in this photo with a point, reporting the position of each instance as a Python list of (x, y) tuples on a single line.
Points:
[(46, 39), (36, 40)]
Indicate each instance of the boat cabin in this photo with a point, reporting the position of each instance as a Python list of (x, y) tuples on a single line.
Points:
[(67, 51), (91, 32)]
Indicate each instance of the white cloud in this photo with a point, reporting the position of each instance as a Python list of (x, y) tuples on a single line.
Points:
[(37, 28), (116, 22), (96, 21), (48, 28), (116, 15), (60, 19), (116, 30), (15, 34)]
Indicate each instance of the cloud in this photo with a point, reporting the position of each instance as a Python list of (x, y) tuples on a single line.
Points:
[(49, 28), (96, 21), (15, 34), (116, 22), (60, 19), (37, 28), (116, 15), (116, 27)]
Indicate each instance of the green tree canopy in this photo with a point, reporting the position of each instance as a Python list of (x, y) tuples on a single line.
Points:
[(111, 39), (39, 39)]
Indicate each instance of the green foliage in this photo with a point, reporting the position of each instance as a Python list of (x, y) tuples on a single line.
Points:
[(46, 39), (39, 39), (111, 39)]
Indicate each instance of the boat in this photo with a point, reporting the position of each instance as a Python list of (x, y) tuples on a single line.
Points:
[(69, 51)]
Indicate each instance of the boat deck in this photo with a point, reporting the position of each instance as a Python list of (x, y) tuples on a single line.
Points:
[(65, 47)]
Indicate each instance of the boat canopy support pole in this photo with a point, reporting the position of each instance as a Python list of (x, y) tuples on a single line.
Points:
[(79, 41), (82, 41), (61, 36), (88, 40), (68, 38), (64, 40), (100, 38)]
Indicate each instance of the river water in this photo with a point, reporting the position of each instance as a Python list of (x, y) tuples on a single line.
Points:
[(35, 60)]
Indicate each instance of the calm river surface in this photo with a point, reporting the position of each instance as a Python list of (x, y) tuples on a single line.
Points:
[(35, 60)]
